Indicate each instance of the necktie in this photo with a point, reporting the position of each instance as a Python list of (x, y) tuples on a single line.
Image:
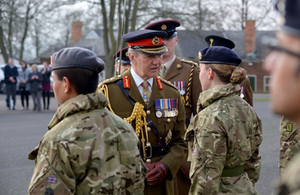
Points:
[(163, 70), (146, 91)]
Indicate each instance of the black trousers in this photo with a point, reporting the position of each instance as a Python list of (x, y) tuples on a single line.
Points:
[(11, 90)]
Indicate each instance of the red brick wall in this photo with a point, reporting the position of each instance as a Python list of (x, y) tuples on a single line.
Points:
[(249, 36), (256, 68), (76, 31)]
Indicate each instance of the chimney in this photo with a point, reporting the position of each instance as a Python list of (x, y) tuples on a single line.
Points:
[(250, 36), (76, 31)]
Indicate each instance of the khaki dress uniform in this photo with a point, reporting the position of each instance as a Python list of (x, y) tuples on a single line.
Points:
[(248, 93), (165, 134)]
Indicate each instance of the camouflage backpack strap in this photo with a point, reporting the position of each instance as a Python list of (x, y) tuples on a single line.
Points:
[(186, 97)]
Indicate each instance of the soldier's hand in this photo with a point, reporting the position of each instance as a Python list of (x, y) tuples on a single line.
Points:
[(157, 174), (149, 166)]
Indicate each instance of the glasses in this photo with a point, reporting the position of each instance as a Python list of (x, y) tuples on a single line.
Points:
[(270, 44)]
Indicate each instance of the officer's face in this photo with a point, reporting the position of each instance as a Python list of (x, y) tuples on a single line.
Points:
[(170, 44), (285, 81), (146, 66)]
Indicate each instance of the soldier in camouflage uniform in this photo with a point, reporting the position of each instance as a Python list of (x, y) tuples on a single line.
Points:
[(224, 137), (283, 63), (289, 142), (87, 150)]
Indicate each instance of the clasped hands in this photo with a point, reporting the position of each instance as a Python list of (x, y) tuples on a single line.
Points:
[(157, 172)]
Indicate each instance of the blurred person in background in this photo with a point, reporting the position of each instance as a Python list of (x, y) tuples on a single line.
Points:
[(35, 80), (124, 61), (24, 87), (46, 83), (11, 74)]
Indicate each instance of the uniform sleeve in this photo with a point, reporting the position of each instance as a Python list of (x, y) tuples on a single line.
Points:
[(208, 155), (253, 165), (49, 176), (178, 147)]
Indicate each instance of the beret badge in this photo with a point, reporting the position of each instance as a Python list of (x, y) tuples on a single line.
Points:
[(163, 27), (126, 54), (200, 55), (155, 40)]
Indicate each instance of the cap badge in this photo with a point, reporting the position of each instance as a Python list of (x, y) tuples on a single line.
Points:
[(126, 54), (155, 40), (163, 27), (211, 40), (199, 55)]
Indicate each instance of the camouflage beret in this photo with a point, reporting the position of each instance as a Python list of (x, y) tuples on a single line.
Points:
[(77, 57)]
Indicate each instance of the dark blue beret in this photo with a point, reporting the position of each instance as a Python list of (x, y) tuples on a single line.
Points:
[(213, 40), (219, 55), (147, 41), (290, 12), (166, 25), (77, 57), (124, 56)]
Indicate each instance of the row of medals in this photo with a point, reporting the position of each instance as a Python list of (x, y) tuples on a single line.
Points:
[(166, 107)]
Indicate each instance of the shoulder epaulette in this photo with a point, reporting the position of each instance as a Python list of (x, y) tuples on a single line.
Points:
[(189, 62), (168, 83), (111, 80)]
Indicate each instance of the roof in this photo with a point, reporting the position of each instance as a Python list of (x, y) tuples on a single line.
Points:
[(191, 42)]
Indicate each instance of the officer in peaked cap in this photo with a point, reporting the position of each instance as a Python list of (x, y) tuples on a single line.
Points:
[(184, 74), (226, 165), (122, 63), (246, 90), (144, 98), (283, 63), (213, 40), (86, 146)]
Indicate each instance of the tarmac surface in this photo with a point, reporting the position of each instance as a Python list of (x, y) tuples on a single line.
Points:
[(21, 130)]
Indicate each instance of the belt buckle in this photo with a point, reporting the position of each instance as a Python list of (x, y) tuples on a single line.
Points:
[(148, 150)]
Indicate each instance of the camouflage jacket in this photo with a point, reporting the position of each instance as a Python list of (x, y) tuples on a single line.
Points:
[(87, 150), (289, 142), (290, 180), (224, 136)]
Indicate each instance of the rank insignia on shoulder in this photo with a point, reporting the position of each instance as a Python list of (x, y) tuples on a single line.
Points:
[(126, 82), (159, 84), (51, 180), (289, 127)]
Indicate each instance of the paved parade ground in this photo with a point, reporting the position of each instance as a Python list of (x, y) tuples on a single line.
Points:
[(21, 130)]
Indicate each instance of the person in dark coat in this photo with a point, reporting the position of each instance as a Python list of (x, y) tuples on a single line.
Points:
[(46, 73), (35, 79), (10, 79)]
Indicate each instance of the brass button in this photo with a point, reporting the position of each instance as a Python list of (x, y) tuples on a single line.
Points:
[(148, 112), (148, 160), (148, 144), (148, 129), (168, 120)]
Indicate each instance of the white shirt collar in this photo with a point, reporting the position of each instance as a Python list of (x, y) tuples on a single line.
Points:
[(138, 80), (169, 63)]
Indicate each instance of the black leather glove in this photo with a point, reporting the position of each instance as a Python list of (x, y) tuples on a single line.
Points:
[(157, 174)]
